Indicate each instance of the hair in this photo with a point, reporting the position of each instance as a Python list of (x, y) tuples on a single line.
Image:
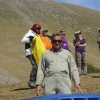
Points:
[(44, 31), (62, 30), (56, 34), (99, 29)]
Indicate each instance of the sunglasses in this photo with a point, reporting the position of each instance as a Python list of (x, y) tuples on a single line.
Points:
[(63, 34), (55, 41)]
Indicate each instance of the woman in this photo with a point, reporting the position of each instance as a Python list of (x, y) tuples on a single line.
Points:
[(80, 53)]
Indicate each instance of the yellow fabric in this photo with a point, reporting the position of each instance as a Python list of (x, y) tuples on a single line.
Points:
[(47, 42), (37, 48)]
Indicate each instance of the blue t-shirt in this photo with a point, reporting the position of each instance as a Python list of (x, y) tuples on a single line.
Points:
[(80, 48)]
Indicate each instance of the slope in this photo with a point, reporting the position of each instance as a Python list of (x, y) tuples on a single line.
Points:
[(17, 16)]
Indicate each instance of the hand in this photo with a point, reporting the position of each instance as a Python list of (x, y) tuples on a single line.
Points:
[(30, 38), (76, 44), (38, 90), (78, 88)]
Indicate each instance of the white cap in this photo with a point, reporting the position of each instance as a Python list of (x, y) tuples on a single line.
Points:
[(98, 29), (77, 32)]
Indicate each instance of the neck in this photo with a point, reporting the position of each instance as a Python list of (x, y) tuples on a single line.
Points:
[(80, 38), (56, 50)]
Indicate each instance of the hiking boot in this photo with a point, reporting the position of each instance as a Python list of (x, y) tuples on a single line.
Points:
[(31, 84)]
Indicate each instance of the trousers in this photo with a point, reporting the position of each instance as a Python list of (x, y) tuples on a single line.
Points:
[(57, 84), (81, 62), (34, 68)]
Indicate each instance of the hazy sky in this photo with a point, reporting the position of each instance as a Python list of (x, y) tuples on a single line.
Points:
[(92, 4)]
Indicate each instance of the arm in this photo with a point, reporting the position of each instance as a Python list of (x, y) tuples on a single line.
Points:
[(98, 42), (76, 43), (80, 44), (67, 45), (28, 37), (83, 45), (25, 39), (40, 75), (98, 39), (74, 73)]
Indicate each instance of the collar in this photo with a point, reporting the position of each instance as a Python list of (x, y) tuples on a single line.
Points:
[(55, 50)]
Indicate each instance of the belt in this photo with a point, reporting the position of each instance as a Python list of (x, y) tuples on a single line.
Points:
[(56, 74)]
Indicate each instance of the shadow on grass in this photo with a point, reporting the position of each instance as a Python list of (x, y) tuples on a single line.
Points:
[(22, 89), (96, 77)]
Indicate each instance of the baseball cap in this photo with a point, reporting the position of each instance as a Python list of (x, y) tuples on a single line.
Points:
[(77, 32)]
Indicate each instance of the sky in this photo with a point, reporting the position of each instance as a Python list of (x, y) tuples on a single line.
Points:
[(92, 4)]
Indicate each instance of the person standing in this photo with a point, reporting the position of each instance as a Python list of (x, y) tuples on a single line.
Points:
[(80, 52), (98, 39), (27, 39), (46, 39), (56, 68), (64, 40), (45, 34)]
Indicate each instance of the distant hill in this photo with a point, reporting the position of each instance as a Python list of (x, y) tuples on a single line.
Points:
[(17, 16)]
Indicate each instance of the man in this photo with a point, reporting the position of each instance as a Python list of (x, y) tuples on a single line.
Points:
[(56, 67), (45, 34), (27, 39), (46, 39), (98, 39), (80, 53), (64, 40)]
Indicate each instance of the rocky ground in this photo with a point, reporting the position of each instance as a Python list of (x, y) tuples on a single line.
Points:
[(16, 91)]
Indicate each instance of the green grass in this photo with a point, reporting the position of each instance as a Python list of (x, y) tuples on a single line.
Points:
[(92, 69), (22, 14)]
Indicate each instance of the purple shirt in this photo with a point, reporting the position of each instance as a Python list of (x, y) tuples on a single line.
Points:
[(64, 43), (80, 48)]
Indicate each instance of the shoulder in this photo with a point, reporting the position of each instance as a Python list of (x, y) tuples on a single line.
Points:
[(46, 52), (31, 32), (98, 36), (64, 38), (66, 51), (75, 40), (83, 39), (65, 54)]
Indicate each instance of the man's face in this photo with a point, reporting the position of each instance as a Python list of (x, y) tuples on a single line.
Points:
[(63, 33), (57, 42), (45, 33)]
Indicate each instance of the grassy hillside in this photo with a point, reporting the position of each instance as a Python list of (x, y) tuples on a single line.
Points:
[(90, 84), (17, 16)]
